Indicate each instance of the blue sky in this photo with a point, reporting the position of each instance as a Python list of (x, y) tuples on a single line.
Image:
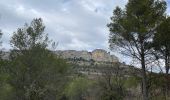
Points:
[(74, 24), (168, 5)]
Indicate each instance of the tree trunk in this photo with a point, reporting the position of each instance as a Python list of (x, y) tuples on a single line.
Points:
[(166, 76), (144, 79)]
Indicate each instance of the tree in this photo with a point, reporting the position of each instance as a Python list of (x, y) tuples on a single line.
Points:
[(36, 73), (162, 42), (132, 30), (4, 76), (161, 45), (111, 83), (0, 44)]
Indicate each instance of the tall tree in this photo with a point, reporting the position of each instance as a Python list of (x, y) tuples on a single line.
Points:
[(36, 73), (132, 30), (0, 43), (162, 46)]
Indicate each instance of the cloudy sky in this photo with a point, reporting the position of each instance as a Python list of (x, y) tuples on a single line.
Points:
[(74, 24)]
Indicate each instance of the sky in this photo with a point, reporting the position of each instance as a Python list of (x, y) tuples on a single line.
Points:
[(73, 24)]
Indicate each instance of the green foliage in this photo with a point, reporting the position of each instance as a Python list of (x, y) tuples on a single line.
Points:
[(5, 88), (131, 82), (30, 36), (111, 83), (132, 26), (161, 42), (6, 91), (112, 89), (78, 88), (35, 72), (162, 36)]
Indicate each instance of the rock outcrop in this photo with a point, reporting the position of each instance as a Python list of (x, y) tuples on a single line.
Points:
[(98, 55)]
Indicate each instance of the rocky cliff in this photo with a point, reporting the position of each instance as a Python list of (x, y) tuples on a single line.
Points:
[(98, 55)]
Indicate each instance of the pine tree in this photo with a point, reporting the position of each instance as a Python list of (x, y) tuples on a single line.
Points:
[(132, 30)]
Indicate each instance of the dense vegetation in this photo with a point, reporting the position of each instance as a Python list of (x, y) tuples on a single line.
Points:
[(141, 31)]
